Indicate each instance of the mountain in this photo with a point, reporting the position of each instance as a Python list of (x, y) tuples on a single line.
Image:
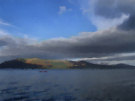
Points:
[(36, 63)]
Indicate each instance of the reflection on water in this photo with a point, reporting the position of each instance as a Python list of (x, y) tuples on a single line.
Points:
[(67, 85)]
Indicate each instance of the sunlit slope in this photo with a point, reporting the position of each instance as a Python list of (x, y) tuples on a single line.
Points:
[(62, 64)]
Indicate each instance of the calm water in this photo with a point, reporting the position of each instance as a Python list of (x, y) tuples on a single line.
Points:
[(67, 85)]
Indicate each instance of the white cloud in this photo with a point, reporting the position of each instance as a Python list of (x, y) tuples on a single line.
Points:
[(103, 23), (4, 23), (62, 9)]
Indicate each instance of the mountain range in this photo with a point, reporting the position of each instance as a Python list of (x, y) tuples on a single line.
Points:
[(36, 63)]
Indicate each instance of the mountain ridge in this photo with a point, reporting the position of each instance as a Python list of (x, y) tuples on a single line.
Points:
[(37, 63)]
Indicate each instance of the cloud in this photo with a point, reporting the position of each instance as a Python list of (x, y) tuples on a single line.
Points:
[(103, 23), (128, 24), (4, 23), (112, 9), (118, 57), (109, 13), (86, 45), (62, 9)]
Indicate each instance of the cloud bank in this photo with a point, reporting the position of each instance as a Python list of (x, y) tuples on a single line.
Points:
[(87, 45)]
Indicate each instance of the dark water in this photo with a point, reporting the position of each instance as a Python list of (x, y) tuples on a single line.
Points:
[(67, 85)]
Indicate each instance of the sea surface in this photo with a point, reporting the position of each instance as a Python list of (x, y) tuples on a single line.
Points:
[(67, 85)]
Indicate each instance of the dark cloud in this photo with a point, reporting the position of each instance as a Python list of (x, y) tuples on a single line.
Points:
[(87, 45), (111, 9), (107, 8), (128, 24), (2, 43)]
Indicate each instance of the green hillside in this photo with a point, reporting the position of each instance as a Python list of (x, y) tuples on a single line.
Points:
[(51, 64)]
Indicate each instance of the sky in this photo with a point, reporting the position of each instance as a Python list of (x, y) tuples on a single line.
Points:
[(101, 31), (44, 19)]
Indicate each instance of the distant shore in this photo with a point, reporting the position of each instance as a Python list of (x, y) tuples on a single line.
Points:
[(36, 63)]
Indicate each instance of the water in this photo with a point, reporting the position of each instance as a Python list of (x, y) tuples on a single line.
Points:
[(67, 85)]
